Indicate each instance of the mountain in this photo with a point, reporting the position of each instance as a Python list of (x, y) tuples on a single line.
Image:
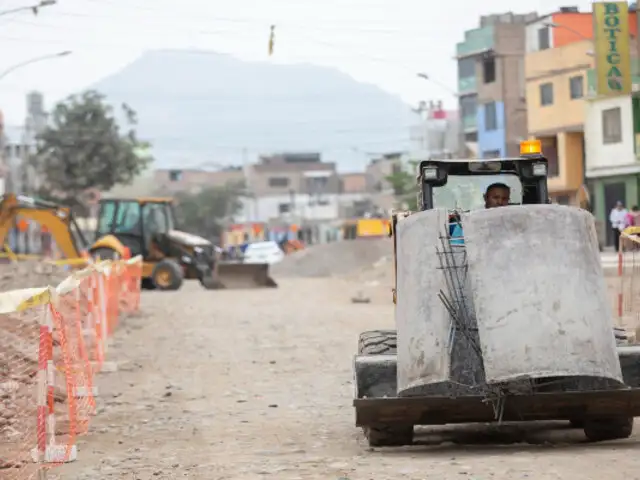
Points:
[(201, 107)]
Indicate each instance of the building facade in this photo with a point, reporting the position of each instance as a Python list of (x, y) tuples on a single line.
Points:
[(438, 133), (612, 134), (169, 181), (555, 87), (293, 187), (490, 101)]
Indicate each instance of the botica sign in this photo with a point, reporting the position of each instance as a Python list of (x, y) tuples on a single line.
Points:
[(611, 33)]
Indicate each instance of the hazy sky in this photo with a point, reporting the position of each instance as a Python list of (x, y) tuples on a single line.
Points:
[(384, 42)]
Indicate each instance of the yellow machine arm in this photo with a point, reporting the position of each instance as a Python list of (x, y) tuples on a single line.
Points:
[(58, 220)]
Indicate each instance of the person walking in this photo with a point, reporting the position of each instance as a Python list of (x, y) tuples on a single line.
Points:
[(617, 218)]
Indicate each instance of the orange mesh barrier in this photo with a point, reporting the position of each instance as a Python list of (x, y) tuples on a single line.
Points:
[(52, 343)]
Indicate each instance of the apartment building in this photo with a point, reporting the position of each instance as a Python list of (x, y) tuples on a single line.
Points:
[(560, 55), (612, 135), (491, 103), (292, 186), (169, 181)]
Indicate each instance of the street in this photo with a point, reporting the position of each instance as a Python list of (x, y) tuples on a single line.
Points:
[(257, 384)]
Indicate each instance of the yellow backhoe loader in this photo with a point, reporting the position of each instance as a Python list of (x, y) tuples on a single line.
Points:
[(144, 226)]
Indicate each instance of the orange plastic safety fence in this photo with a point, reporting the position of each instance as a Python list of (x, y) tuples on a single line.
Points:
[(49, 355), (37, 414), (71, 313)]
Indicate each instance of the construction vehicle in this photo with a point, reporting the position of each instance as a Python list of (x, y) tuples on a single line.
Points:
[(507, 322), (141, 226)]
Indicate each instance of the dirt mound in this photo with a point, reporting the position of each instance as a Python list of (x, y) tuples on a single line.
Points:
[(337, 258), (14, 276)]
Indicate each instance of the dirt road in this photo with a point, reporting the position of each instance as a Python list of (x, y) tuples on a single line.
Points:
[(257, 385)]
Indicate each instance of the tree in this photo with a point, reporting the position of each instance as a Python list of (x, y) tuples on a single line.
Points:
[(83, 147), (404, 186), (205, 212)]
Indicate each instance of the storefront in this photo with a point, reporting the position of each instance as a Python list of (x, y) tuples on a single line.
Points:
[(605, 192)]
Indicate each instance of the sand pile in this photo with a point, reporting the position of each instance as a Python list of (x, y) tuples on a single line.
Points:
[(331, 259)]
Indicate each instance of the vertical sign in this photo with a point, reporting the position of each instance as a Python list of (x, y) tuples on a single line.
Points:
[(613, 60)]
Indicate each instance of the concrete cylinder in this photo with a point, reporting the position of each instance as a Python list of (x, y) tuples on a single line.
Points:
[(540, 298)]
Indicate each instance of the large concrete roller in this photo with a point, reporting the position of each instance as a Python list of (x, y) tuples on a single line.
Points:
[(508, 322)]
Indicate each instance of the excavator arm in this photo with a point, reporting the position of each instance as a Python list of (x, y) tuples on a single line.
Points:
[(58, 220)]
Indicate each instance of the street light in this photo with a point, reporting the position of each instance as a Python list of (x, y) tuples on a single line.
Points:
[(33, 8), (425, 76), (33, 60)]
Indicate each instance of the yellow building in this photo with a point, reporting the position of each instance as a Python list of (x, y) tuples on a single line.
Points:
[(556, 85)]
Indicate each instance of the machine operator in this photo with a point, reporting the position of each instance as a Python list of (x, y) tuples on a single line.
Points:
[(496, 195)]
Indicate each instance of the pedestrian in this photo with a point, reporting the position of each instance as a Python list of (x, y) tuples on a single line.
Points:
[(617, 218)]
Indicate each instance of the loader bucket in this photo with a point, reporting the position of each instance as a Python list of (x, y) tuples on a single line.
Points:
[(232, 275)]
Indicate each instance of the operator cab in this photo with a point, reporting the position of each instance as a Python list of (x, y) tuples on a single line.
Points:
[(460, 185), (136, 223)]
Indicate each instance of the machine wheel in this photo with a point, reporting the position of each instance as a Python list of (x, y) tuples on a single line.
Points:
[(389, 436), (167, 275), (104, 253), (378, 342), (608, 428)]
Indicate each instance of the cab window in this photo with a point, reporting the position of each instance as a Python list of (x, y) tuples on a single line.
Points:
[(105, 222), (128, 218), (155, 218)]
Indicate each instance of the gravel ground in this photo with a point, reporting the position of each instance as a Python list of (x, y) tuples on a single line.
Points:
[(257, 384)]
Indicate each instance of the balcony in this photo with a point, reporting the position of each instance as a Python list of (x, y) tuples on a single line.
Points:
[(467, 85), (476, 41)]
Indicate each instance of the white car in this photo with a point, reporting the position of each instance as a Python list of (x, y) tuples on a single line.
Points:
[(263, 252)]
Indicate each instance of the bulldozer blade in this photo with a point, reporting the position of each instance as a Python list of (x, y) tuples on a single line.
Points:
[(232, 275)]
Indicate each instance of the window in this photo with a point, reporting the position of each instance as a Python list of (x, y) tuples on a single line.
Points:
[(491, 154), (107, 212), (471, 137), (278, 182), (611, 126), (576, 87), (490, 116), (123, 219), (546, 94), (284, 208), (543, 38), (467, 67), (468, 106), (489, 70), (175, 175), (466, 192), (157, 218)]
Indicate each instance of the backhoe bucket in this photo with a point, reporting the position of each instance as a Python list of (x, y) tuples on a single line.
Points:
[(231, 275)]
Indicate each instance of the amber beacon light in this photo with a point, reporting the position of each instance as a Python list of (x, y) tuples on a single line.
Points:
[(530, 147)]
